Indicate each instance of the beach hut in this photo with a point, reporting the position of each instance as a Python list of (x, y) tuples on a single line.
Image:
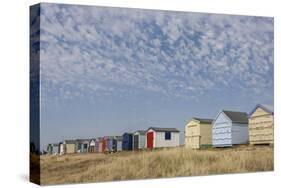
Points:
[(230, 128), (82, 145), (111, 144), (98, 144), (139, 139), (92, 144), (70, 146), (119, 140), (127, 142), (52, 149), (56, 148), (261, 125), (157, 137), (198, 133), (67, 147), (61, 148), (104, 144), (101, 147)]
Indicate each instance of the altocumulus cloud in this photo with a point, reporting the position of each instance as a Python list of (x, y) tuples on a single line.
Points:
[(89, 51)]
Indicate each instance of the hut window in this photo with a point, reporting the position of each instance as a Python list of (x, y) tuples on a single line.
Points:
[(167, 135)]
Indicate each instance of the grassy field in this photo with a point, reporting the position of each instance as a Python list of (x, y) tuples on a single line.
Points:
[(153, 164)]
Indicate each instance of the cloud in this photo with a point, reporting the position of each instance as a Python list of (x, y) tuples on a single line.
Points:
[(100, 51)]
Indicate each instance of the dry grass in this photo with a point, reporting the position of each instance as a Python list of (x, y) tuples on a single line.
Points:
[(153, 164)]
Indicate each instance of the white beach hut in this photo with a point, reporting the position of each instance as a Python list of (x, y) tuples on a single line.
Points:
[(230, 128)]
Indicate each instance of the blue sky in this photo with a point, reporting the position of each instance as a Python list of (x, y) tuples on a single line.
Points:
[(105, 71)]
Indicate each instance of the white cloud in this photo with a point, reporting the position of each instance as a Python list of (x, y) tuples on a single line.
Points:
[(177, 54)]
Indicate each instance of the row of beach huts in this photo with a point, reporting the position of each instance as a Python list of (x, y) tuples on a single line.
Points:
[(228, 128), (154, 137)]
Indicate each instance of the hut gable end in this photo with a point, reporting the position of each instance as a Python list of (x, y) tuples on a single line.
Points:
[(221, 120), (261, 125)]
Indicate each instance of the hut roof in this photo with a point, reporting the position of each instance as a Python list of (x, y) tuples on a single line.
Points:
[(237, 117), (142, 132), (128, 133), (70, 141), (203, 120), (265, 107), (54, 144), (109, 137), (119, 138), (82, 140), (160, 129), (99, 139)]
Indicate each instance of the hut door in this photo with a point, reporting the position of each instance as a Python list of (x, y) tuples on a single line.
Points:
[(150, 140), (136, 141)]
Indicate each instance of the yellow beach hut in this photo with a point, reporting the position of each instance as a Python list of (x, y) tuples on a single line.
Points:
[(261, 125), (198, 133)]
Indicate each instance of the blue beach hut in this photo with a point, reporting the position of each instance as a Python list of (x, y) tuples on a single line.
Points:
[(127, 142)]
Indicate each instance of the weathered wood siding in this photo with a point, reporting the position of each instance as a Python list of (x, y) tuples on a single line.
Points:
[(100, 146), (97, 145), (140, 143), (127, 142), (119, 145), (192, 134), (221, 131), (261, 126), (136, 141), (70, 148), (240, 134), (55, 149), (197, 134), (205, 134), (226, 133), (50, 149), (142, 139), (91, 149), (92, 146)]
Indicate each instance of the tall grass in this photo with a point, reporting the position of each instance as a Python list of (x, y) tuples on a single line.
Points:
[(153, 164)]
